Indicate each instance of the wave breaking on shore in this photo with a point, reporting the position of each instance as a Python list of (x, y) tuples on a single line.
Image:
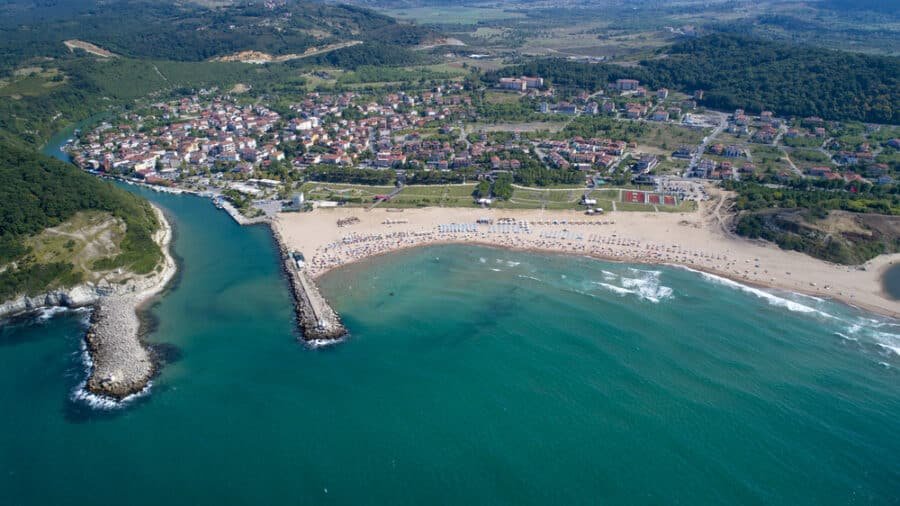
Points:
[(876, 331)]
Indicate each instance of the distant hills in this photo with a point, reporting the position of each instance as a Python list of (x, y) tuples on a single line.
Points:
[(186, 31), (744, 72)]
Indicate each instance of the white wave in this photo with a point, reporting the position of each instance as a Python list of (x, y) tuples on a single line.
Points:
[(523, 276), (510, 263), (45, 313), (81, 394), (771, 298), (846, 337), (482, 259), (609, 276), (322, 343), (96, 401), (646, 287), (617, 289), (895, 349)]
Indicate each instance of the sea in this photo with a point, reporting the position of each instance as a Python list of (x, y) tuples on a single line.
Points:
[(471, 375)]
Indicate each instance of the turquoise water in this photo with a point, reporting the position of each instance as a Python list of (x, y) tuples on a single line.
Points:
[(54, 145), (472, 376)]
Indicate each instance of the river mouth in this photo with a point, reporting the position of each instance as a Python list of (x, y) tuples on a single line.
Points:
[(473, 375)]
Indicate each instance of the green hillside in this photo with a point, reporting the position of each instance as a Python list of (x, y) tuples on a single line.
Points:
[(37, 192)]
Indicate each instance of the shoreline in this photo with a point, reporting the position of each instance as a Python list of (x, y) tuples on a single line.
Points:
[(618, 260), (694, 241), (120, 363)]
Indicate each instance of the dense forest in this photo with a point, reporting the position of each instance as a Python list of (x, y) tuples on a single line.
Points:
[(742, 72), (186, 31), (374, 54), (37, 192)]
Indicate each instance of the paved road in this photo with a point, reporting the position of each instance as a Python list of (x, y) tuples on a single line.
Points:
[(701, 149)]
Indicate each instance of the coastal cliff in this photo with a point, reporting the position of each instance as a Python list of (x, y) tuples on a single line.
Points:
[(119, 363), (74, 297)]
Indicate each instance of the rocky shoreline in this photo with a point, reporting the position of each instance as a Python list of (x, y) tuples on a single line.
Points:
[(121, 364), (84, 295)]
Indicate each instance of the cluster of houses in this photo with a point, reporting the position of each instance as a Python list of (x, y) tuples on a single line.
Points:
[(584, 154), (187, 133), (219, 134), (636, 105)]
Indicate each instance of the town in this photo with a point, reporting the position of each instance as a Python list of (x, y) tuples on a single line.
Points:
[(638, 149)]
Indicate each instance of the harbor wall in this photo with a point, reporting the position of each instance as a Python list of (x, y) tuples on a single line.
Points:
[(315, 317)]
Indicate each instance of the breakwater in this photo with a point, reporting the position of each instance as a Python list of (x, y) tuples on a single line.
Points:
[(315, 317), (121, 364)]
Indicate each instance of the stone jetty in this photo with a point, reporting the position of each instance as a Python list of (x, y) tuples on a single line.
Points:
[(121, 365), (315, 317)]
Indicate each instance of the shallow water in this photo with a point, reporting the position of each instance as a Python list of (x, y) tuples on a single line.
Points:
[(891, 282), (472, 375)]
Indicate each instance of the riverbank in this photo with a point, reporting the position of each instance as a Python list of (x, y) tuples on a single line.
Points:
[(120, 364), (695, 240)]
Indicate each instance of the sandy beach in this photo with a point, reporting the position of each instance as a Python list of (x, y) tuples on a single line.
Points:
[(696, 240)]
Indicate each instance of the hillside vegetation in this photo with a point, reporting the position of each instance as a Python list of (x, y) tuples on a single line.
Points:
[(742, 72), (38, 192), (187, 31), (847, 225)]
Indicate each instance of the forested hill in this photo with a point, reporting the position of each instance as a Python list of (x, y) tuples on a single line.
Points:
[(186, 31), (792, 80), (37, 192), (742, 72)]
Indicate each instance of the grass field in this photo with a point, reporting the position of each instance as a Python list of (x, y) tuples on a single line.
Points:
[(501, 97), (768, 158), (460, 195), (666, 137), (84, 238), (31, 82)]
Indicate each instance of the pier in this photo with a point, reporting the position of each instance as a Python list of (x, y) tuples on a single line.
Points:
[(315, 317)]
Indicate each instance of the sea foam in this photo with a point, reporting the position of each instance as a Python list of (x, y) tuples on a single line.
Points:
[(101, 402), (646, 287)]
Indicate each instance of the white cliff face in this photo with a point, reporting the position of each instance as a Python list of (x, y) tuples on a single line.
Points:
[(77, 296)]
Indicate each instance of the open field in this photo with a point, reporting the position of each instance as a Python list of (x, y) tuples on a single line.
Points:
[(31, 82), (74, 44), (768, 158), (663, 138), (460, 195), (83, 239), (451, 15), (525, 126)]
